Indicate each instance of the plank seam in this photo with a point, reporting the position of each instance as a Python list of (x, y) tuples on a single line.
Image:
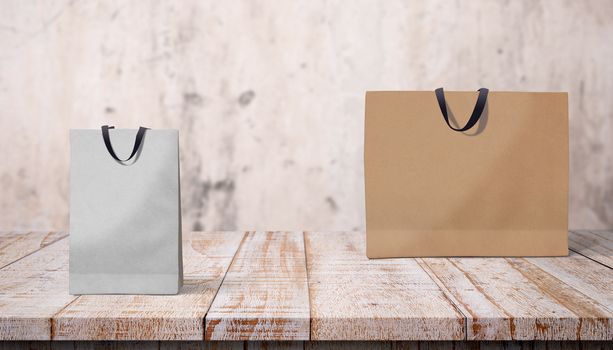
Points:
[(240, 245), (598, 233), (52, 320), (61, 234), (448, 295), (34, 251), (551, 295), (472, 280), (10, 233), (306, 267), (578, 252), (585, 256)]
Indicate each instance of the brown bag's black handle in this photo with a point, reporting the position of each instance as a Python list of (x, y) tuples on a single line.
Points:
[(474, 117), (137, 143)]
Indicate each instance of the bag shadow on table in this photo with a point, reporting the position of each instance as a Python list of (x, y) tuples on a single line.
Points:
[(489, 179), (125, 213)]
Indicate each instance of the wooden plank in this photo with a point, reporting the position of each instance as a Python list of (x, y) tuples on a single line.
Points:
[(264, 295), (32, 290), (513, 299), (603, 234), (354, 298), (596, 245), (593, 314), (591, 279), (155, 317), (16, 245)]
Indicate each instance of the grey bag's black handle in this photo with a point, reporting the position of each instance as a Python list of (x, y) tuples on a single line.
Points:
[(137, 143), (474, 117)]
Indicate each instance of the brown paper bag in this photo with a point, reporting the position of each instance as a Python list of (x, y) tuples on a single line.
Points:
[(499, 188)]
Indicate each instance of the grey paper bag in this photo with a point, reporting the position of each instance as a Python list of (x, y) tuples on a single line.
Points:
[(125, 216)]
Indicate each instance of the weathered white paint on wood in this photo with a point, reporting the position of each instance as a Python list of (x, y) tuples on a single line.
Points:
[(594, 317), (508, 299), (32, 290), (596, 245), (354, 298), (595, 281), (264, 295), (155, 317), (16, 245)]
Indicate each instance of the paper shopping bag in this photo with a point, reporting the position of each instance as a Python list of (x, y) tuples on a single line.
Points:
[(125, 214), (466, 173)]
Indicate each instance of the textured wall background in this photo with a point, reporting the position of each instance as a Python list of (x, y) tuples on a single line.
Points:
[(269, 95)]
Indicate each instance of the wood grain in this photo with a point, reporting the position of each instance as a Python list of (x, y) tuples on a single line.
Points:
[(32, 290), (278, 282), (16, 245), (596, 245), (264, 295), (593, 280), (514, 299), (155, 317), (354, 298)]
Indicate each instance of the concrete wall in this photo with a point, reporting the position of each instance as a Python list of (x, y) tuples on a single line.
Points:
[(269, 95)]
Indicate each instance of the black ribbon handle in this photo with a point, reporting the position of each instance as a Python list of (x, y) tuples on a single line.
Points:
[(474, 117), (137, 143)]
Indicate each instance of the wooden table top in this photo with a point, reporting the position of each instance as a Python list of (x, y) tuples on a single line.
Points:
[(315, 286)]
